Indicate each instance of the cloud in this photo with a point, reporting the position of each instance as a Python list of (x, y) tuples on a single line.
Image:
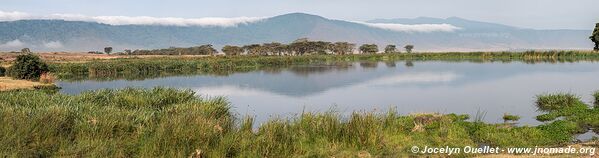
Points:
[(146, 20), (11, 16), (225, 90), (422, 77), (425, 28), (137, 20), (53, 44), (12, 44)]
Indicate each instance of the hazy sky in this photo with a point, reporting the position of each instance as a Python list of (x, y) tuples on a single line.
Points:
[(539, 14)]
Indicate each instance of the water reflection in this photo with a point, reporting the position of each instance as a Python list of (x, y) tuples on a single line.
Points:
[(432, 86)]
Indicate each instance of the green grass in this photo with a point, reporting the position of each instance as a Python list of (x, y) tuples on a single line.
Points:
[(164, 122), (140, 68), (553, 102), (508, 117)]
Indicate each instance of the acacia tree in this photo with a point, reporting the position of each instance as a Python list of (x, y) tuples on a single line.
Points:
[(320, 47), (390, 49), (232, 50), (342, 48), (595, 37), (108, 50), (281, 49), (409, 48), (369, 48), (252, 49), (300, 46), (206, 50), (25, 50), (273, 48), (128, 51)]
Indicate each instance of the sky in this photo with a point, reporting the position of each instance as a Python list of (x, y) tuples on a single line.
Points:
[(537, 14)]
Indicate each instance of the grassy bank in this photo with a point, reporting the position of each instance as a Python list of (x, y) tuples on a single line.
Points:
[(176, 123), (7, 84), (139, 68)]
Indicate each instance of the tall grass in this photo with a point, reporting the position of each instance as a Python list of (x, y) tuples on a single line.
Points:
[(109, 123), (164, 122), (154, 67)]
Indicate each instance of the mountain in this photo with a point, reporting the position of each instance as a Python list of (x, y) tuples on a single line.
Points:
[(60, 35)]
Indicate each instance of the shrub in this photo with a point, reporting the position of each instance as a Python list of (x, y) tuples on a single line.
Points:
[(508, 117), (28, 66), (2, 71), (596, 96), (551, 102)]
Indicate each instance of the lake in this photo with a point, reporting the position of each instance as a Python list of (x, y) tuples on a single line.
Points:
[(492, 88)]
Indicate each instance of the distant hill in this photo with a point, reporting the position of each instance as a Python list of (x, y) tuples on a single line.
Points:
[(60, 35)]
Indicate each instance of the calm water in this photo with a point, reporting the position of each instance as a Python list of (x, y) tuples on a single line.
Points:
[(445, 87)]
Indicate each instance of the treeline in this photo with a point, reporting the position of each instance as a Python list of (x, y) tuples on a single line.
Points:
[(298, 47)]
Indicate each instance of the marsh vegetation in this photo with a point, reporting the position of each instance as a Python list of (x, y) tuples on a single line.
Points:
[(137, 68), (177, 123)]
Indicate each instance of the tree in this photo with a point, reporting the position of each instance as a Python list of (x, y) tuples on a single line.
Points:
[(253, 49), (390, 49), (25, 50), (595, 37), (128, 51), (409, 48), (303, 46), (369, 48), (342, 48), (232, 50), (320, 47), (299, 47), (108, 50), (206, 50), (28, 67), (282, 49), (2, 71), (273, 48)]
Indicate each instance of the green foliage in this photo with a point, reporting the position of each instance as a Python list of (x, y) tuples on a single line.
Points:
[(199, 50), (111, 123), (409, 48), (558, 101), (390, 49), (28, 67), (342, 48), (232, 50), (369, 49), (141, 68), (108, 50), (164, 122), (508, 117), (305, 46)]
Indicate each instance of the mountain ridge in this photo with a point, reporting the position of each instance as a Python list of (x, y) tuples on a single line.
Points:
[(65, 35)]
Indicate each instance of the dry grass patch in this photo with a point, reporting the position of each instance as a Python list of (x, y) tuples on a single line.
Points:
[(7, 83)]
